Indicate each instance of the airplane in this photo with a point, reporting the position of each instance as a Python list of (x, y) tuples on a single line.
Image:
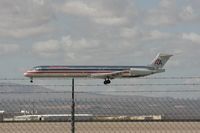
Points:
[(103, 72)]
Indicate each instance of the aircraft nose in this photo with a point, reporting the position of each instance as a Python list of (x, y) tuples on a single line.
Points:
[(25, 74)]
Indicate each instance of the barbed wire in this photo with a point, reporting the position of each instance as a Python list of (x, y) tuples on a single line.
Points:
[(121, 85), (100, 85), (93, 92), (86, 78)]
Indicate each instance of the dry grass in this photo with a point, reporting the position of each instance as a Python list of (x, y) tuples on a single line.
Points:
[(102, 127)]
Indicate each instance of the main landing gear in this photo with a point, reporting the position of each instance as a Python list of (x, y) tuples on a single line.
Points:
[(107, 81), (31, 80)]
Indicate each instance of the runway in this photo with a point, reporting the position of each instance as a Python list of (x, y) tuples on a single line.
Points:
[(101, 127)]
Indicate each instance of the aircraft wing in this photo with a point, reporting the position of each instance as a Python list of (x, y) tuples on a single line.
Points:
[(109, 75)]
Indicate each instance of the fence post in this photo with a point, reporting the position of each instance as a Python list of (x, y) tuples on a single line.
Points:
[(72, 109)]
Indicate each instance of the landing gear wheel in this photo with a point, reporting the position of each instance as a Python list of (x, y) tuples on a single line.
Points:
[(107, 81), (31, 80)]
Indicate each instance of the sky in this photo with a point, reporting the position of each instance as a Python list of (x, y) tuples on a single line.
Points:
[(99, 32)]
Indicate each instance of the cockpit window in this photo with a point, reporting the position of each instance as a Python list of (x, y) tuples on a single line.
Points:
[(37, 68)]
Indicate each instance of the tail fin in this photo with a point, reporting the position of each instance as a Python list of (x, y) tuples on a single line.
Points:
[(160, 60)]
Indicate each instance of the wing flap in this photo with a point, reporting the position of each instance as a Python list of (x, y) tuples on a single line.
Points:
[(108, 75)]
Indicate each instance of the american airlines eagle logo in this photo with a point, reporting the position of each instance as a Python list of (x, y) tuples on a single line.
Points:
[(158, 62)]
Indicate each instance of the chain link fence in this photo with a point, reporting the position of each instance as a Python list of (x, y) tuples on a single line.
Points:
[(47, 109)]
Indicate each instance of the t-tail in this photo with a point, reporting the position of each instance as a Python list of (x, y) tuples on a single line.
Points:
[(160, 60)]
